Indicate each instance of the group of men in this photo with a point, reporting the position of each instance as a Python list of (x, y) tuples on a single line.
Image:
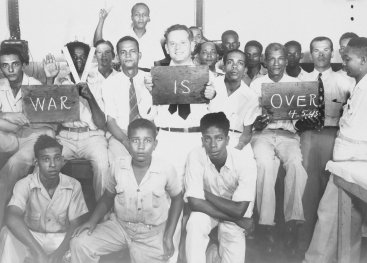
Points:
[(151, 162)]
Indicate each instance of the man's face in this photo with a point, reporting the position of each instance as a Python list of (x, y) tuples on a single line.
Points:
[(352, 62), (321, 53), (276, 62), (215, 143), (140, 17), (179, 46), (142, 144), (343, 44), (104, 54), (230, 42), (50, 162), (294, 55), (129, 54), (253, 56), (11, 67), (235, 66), (208, 54), (79, 59), (197, 35)]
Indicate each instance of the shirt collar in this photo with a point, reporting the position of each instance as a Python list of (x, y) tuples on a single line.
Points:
[(325, 74), (5, 85), (228, 164), (125, 163), (362, 84), (63, 184), (191, 63)]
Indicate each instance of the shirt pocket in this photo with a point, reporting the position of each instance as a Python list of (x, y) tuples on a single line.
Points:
[(34, 220), (62, 218), (120, 196), (158, 197)]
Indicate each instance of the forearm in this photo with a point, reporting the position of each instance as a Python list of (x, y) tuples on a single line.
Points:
[(104, 205), (98, 32), (97, 114), (117, 132), (229, 207), (7, 126), (65, 244), (174, 214), (245, 137)]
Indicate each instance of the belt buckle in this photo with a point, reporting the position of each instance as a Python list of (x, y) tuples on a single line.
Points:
[(185, 129)]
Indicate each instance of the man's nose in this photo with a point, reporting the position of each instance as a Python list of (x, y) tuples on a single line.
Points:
[(11, 68)]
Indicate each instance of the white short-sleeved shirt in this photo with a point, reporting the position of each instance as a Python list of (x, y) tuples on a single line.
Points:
[(240, 107), (278, 124), (353, 122), (336, 87), (236, 180), (45, 214), (263, 71), (147, 202), (115, 94)]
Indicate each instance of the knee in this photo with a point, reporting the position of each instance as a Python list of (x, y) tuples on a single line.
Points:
[(198, 223), (77, 243)]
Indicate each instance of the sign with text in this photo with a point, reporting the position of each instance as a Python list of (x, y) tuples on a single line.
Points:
[(179, 84), (51, 103), (290, 100)]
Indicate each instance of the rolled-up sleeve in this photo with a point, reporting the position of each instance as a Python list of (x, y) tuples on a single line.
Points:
[(173, 186), (246, 188), (77, 205), (194, 176), (20, 194)]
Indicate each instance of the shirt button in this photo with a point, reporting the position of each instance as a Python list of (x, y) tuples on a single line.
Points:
[(48, 219), (139, 209), (138, 190)]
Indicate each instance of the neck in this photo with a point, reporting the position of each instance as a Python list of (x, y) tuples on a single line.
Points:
[(130, 72), (232, 86), (358, 78), (219, 163), (293, 71), (139, 31), (183, 63), (15, 85), (49, 183), (276, 78), (252, 71), (141, 165), (322, 69), (105, 70)]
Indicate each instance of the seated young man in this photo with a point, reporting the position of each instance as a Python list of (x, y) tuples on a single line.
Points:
[(143, 218), (219, 190), (44, 210)]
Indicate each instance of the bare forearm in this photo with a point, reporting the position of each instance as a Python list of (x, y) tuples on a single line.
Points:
[(117, 132), (104, 205), (174, 214), (65, 244), (97, 114), (229, 207), (7, 126), (98, 32), (245, 137)]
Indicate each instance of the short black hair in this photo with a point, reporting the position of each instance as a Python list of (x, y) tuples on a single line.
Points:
[(178, 27), (232, 51), (230, 32), (293, 43), (274, 47), (127, 38), (216, 119), (71, 46), (321, 38), (13, 51), (359, 43), (137, 4), (44, 142), (254, 43), (102, 41), (347, 35), (141, 123)]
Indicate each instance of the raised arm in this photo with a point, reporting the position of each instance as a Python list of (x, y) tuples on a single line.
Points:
[(98, 32)]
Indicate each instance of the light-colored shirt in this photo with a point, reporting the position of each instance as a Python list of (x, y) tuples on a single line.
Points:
[(263, 71), (235, 181), (303, 75), (43, 213), (115, 93), (146, 202), (353, 123), (278, 124), (336, 87), (240, 107)]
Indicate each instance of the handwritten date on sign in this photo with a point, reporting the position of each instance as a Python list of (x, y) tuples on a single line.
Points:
[(51, 103), (290, 100), (179, 84)]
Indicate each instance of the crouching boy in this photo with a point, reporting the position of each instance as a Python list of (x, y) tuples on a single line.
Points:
[(219, 186), (45, 209), (143, 219)]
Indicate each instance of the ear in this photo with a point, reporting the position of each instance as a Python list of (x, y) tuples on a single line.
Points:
[(139, 55), (363, 60), (262, 57), (192, 46), (228, 138), (166, 48), (202, 141), (302, 55), (148, 20), (332, 54), (155, 144)]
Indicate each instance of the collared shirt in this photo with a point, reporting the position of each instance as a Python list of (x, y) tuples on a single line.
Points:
[(336, 87), (303, 75), (163, 118), (146, 202), (353, 123), (235, 181), (95, 80), (44, 214), (240, 107), (263, 71), (278, 124), (115, 93)]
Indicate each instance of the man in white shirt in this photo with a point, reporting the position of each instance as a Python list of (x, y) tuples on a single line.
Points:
[(277, 139), (17, 135), (219, 190), (317, 143), (350, 145), (294, 56), (125, 96), (149, 43)]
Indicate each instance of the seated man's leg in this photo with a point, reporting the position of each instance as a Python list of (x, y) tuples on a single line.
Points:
[(11, 249), (8, 146), (198, 228), (116, 149), (106, 238), (232, 243)]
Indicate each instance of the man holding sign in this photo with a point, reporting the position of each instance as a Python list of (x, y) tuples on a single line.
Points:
[(277, 139), (17, 135)]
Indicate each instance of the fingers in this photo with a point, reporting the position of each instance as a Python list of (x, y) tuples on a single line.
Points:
[(91, 229)]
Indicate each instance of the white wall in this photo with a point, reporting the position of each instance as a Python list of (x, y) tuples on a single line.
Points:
[(283, 20)]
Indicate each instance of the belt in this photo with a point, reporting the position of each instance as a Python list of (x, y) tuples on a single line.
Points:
[(231, 130), (191, 129), (78, 130)]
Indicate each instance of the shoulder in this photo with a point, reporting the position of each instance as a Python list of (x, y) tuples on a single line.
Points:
[(197, 154), (68, 180), (162, 166), (32, 81), (26, 181)]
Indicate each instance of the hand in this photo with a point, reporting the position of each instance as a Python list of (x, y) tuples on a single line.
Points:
[(50, 66), (17, 118), (84, 90), (209, 92), (86, 226), (247, 224), (168, 248), (103, 13), (56, 256), (148, 81), (261, 122), (307, 123)]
